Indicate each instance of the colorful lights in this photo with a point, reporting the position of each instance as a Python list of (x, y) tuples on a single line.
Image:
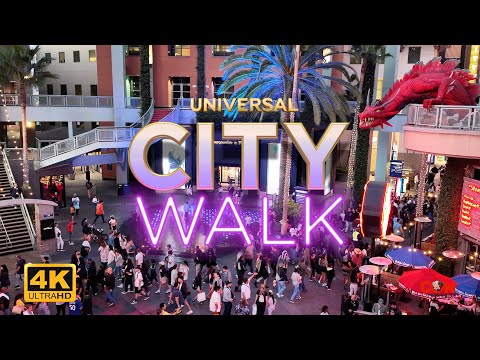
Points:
[(309, 228), (387, 207), (266, 241)]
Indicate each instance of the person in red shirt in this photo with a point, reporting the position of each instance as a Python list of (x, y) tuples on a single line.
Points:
[(99, 211), (70, 231)]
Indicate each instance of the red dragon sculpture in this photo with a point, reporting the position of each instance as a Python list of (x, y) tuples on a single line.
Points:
[(431, 84)]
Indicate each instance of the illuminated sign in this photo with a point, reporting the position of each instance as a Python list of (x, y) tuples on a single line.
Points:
[(469, 220), (242, 104), (376, 209), (396, 168)]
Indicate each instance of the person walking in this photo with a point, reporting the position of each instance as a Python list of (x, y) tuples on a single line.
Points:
[(227, 298), (70, 231), (330, 275), (139, 286), (92, 277), (113, 223), (281, 278), (128, 273), (99, 211), (76, 203), (109, 286), (72, 211), (89, 187), (216, 301), (19, 270), (270, 303), (58, 237), (296, 280), (249, 258), (261, 300), (240, 268)]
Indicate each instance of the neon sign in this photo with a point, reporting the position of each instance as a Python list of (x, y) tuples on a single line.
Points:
[(186, 237), (469, 219)]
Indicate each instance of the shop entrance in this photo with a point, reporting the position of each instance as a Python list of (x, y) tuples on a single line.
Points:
[(228, 175)]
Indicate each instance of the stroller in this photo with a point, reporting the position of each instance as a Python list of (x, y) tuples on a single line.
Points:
[(98, 235)]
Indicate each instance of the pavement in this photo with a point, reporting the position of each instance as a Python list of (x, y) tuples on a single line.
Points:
[(123, 207)]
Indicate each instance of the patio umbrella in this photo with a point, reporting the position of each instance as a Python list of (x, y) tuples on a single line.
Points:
[(369, 270), (380, 261), (427, 283), (467, 284), (410, 257), (394, 238)]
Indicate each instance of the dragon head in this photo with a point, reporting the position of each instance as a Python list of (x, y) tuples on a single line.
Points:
[(378, 114)]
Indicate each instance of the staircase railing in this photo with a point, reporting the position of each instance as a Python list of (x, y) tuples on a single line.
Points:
[(23, 207), (143, 119), (8, 241)]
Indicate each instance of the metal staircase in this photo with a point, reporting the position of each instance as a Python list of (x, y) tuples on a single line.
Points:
[(16, 228)]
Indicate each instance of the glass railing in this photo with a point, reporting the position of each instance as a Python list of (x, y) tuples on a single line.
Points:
[(445, 117), (60, 100)]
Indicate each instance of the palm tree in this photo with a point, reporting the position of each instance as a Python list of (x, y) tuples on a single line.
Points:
[(146, 98), (358, 161), (201, 72), (17, 63), (268, 71)]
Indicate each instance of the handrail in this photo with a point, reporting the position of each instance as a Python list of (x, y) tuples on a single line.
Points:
[(8, 242), (451, 117), (148, 114), (60, 100), (26, 215)]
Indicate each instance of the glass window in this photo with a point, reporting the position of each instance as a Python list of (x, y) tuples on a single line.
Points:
[(217, 82), (76, 56), (63, 89), (92, 55), (414, 54), (78, 90), (133, 49), (355, 59), (134, 84), (222, 50), (178, 50), (61, 57), (93, 90), (180, 89), (48, 58), (49, 89)]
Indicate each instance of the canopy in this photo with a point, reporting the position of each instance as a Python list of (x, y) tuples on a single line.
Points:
[(427, 283), (467, 285), (410, 257)]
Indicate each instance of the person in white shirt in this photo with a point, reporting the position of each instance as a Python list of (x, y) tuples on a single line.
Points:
[(58, 237), (139, 258), (170, 259), (216, 301), (184, 269), (296, 280), (103, 249), (112, 222), (28, 310), (111, 258), (139, 284), (293, 232), (245, 292), (324, 310), (173, 278)]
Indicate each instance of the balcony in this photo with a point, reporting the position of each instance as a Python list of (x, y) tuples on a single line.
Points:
[(61, 100), (444, 130)]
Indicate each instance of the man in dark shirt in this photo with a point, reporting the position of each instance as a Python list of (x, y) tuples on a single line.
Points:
[(109, 286), (4, 300), (351, 305), (19, 271)]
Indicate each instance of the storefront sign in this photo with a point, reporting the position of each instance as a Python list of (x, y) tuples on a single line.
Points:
[(396, 168), (469, 222)]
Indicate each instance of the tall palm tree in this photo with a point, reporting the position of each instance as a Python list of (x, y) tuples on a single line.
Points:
[(268, 71), (17, 63), (146, 98), (201, 72), (358, 161)]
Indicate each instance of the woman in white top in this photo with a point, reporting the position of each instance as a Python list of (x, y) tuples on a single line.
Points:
[(111, 258), (104, 250), (112, 222), (184, 269), (324, 310), (270, 303)]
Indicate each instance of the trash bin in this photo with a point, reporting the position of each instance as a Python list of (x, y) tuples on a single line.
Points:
[(122, 190)]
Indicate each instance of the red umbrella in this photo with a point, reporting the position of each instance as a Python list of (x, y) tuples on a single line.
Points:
[(427, 283)]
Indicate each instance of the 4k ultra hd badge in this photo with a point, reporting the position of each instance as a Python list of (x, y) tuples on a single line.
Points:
[(50, 282)]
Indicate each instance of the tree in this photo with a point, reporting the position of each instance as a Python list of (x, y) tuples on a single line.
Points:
[(18, 63), (145, 91), (268, 71), (369, 55), (201, 72)]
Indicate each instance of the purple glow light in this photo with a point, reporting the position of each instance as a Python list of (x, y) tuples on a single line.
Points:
[(309, 228), (265, 228), (170, 205), (215, 227)]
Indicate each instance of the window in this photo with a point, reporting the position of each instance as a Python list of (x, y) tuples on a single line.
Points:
[(63, 89), (92, 55), (61, 57), (76, 56), (379, 89), (355, 59), (178, 50), (133, 50), (133, 86), (180, 89), (222, 50), (78, 90), (48, 58), (216, 84), (414, 54), (49, 89), (93, 90)]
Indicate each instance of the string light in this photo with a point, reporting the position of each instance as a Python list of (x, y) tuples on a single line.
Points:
[(353, 149), (440, 259)]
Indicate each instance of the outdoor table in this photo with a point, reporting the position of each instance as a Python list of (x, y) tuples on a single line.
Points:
[(392, 289), (361, 312)]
